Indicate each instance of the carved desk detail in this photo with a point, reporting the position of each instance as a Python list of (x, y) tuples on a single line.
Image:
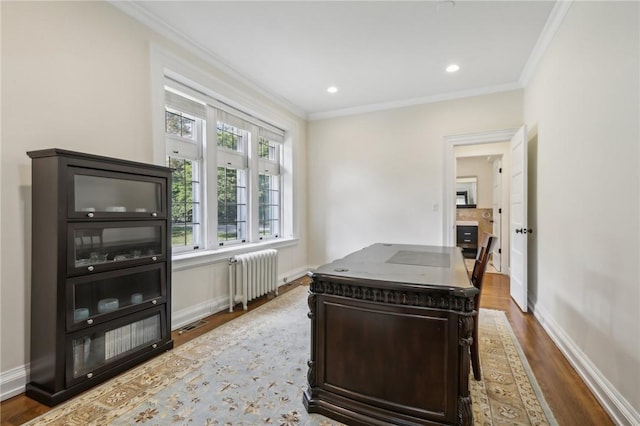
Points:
[(391, 351)]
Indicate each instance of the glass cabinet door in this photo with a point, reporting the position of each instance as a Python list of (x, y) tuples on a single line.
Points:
[(98, 193), (100, 246), (96, 298), (98, 347)]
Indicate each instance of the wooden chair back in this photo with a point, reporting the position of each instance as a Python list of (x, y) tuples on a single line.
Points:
[(477, 276), (482, 259)]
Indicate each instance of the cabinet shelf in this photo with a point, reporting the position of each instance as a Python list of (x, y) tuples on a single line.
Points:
[(100, 246), (96, 349), (101, 272)]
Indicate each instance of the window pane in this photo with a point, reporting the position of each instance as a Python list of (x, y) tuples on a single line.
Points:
[(269, 205), (187, 127), (267, 149), (179, 124), (229, 137), (263, 148), (232, 206), (184, 202), (172, 123)]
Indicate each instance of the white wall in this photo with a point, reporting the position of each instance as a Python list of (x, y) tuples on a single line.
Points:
[(582, 107), (76, 75), (377, 177)]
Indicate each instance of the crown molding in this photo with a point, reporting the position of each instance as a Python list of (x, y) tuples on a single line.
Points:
[(134, 10), (556, 17), (414, 101)]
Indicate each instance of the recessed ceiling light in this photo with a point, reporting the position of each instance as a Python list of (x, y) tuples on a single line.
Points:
[(332, 89), (452, 68), (445, 4)]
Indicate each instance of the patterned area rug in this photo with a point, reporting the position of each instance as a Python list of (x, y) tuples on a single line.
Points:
[(252, 371)]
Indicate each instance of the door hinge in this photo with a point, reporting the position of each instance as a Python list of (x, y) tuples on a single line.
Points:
[(500, 170), (500, 211), (500, 251)]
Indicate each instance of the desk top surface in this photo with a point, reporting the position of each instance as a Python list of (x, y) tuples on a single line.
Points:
[(414, 265)]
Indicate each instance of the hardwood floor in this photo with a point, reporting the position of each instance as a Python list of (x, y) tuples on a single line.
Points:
[(570, 400)]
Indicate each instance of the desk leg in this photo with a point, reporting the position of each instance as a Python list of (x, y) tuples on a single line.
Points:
[(465, 330), (311, 372)]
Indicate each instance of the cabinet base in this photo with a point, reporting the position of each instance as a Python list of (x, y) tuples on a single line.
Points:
[(36, 392)]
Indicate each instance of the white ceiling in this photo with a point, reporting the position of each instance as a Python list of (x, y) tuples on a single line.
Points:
[(380, 54)]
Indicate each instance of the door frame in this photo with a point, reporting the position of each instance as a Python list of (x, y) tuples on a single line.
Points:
[(497, 217), (448, 203)]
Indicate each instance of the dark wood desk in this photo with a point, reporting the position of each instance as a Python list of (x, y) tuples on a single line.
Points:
[(390, 333)]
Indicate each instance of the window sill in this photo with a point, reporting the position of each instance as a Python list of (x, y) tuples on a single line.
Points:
[(206, 257)]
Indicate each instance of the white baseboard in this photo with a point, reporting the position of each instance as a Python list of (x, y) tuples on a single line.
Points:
[(196, 312), (293, 275), (615, 404), (13, 382)]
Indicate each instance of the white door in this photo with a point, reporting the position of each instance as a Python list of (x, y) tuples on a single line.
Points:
[(496, 258), (518, 227)]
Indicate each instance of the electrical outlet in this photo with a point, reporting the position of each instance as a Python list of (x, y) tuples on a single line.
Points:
[(285, 279)]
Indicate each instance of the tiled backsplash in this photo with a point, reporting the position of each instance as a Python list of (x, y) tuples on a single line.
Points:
[(484, 217)]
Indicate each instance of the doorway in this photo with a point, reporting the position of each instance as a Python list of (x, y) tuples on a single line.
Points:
[(493, 148)]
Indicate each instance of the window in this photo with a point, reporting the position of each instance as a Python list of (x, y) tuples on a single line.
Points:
[(269, 185), (183, 133), (227, 182), (269, 206), (232, 185)]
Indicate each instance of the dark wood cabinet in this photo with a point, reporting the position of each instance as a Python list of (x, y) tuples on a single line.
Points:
[(100, 270), (467, 239)]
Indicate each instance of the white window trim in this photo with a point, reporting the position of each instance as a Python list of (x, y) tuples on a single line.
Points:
[(164, 63)]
